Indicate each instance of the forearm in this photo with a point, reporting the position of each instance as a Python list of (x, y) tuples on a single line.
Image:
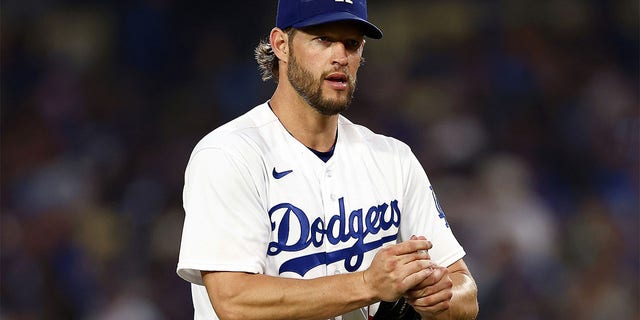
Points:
[(464, 302), (255, 296)]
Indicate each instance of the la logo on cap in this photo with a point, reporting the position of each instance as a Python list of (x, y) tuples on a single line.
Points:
[(347, 1)]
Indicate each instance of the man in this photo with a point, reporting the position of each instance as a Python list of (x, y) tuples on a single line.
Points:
[(294, 212)]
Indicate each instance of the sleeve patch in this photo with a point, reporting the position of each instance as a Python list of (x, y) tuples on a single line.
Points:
[(438, 207)]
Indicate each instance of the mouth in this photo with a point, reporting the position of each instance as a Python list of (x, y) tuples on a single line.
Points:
[(337, 80)]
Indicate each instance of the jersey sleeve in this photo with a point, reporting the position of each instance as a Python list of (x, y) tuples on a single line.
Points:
[(225, 227), (423, 215)]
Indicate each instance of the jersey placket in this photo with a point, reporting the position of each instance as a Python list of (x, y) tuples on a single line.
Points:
[(330, 195)]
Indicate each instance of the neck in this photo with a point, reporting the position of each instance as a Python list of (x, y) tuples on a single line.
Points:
[(314, 130)]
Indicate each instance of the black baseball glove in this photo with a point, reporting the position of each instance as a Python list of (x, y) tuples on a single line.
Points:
[(398, 310)]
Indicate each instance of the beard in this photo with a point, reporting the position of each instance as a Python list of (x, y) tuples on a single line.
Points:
[(310, 89)]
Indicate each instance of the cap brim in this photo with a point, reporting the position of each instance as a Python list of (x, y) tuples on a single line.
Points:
[(369, 29)]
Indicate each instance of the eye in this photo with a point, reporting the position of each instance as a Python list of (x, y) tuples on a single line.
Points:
[(323, 39), (352, 44)]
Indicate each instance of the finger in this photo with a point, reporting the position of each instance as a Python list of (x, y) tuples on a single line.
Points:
[(432, 303), (420, 237), (426, 289), (433, 311), (421, 254), (413, 279), (429, 245), (417, 255), (439, 273), (435, 282), (410, 246), (415, 272), (423, 238), (420, 290)]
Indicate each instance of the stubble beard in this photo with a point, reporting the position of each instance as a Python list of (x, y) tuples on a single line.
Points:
[(310, 89)]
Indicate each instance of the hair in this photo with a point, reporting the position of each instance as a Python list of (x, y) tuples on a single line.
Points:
[(267, 60)]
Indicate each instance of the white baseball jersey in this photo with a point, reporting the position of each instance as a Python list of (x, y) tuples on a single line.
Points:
[(258, 201)]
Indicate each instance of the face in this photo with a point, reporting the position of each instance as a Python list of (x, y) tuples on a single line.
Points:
[(323, 63)]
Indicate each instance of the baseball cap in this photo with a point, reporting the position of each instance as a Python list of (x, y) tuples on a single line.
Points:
[(304, 13)]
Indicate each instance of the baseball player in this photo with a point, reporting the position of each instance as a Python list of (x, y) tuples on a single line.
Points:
[(295, 212)]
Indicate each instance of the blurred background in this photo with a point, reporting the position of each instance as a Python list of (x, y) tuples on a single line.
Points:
[(525, 115)]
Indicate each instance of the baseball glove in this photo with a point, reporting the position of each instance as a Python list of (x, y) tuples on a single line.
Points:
[(398, 310)]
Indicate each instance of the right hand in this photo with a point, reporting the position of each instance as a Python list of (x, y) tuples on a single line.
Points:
[(398, 268)]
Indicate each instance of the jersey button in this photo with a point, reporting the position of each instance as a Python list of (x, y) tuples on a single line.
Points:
[(333, 196), (329, 173)]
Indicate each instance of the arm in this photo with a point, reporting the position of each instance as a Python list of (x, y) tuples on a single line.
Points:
[(394, 270), (448, 293)]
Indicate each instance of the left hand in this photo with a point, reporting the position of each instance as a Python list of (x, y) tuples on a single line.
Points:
[(433, 295)]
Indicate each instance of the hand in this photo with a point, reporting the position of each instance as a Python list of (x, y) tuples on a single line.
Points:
[(398, 268), (433, 295), (414, 237)]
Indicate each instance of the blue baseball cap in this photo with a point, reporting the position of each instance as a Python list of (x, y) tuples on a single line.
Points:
[(305, 13)]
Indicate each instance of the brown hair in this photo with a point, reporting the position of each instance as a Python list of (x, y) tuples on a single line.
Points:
[(267, 60)]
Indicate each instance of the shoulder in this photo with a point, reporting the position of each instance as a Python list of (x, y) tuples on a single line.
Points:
[(359, 134), (241, 134), (235, 149)]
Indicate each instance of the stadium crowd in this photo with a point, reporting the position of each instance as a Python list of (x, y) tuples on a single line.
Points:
[(525, 114)]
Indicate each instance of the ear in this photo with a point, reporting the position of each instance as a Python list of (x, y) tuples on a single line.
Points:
[(279, 40)]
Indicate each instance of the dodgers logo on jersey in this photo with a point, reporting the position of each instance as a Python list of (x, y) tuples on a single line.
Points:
[(340, 228)]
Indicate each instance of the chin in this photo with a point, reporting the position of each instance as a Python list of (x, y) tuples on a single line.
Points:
[(331, 108)]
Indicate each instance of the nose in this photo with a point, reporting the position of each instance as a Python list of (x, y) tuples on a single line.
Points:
[(340, 53)]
